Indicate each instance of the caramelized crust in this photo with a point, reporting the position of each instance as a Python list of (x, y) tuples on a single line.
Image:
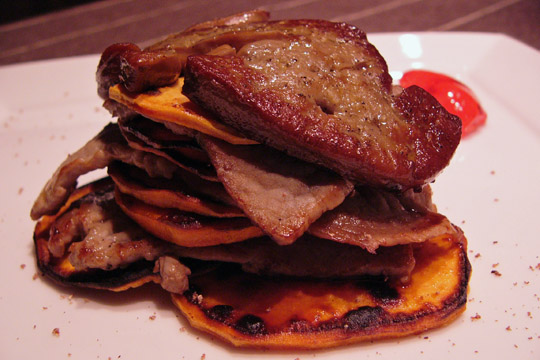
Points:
[(376, 140)]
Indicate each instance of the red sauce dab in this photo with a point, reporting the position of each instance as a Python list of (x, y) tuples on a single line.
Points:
[(455, 96)]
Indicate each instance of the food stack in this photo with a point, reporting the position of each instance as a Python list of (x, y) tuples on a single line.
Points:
[(272, 179)]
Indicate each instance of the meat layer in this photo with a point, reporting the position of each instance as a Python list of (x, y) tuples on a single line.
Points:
[(281, 194)]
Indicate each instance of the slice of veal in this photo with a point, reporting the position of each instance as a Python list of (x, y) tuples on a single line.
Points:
[(168, 104)]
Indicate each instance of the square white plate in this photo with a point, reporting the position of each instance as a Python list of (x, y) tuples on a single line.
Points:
[(50, 108)]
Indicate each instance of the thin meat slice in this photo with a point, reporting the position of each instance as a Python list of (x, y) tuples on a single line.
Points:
[(107, 146), (373, 218), (309, 256), (281, 194)]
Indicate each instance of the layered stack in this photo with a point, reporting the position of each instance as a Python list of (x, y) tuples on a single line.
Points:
[(269, 176)]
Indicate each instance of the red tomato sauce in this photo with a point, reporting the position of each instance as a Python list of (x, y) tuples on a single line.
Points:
[(455, 96)]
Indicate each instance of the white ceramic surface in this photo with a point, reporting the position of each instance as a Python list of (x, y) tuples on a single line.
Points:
[(50, 108)]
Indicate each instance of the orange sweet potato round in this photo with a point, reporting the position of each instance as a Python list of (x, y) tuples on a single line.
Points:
[(250, 311)]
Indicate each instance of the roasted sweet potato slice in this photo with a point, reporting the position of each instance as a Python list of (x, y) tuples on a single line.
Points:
[(251, 311), (161, 193), (185, 228), (62, 271), (168, 104)]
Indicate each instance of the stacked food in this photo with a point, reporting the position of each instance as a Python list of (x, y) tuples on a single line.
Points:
[(272, 179)]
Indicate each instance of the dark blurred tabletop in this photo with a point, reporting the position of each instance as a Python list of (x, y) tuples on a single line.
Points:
[(36, 30)]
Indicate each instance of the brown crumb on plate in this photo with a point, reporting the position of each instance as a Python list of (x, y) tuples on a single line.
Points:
[(496, 273)]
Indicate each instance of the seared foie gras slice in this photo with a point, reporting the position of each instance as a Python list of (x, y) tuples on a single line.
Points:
[(281, 313), (371, 218), (185, 228), (160, 64), (281, 194), (174, 193), (322, 92)]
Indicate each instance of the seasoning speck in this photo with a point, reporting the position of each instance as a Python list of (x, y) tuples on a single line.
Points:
[(56, 332)]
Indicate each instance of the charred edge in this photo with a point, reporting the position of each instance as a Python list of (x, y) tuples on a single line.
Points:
[(460, 298), (364, 317), (453, 303), (360, 319), (382, 291), (221, 313), (102, 279), (251, 325)]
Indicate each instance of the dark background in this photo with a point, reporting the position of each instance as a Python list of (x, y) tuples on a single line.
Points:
[(48, 29), (13, 10)]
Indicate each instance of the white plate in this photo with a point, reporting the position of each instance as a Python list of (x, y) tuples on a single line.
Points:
[(50, 108)]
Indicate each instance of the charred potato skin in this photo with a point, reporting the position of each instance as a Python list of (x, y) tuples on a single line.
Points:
[(392, 310)]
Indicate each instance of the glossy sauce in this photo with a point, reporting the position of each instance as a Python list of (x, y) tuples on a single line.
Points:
[(456, 97)]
